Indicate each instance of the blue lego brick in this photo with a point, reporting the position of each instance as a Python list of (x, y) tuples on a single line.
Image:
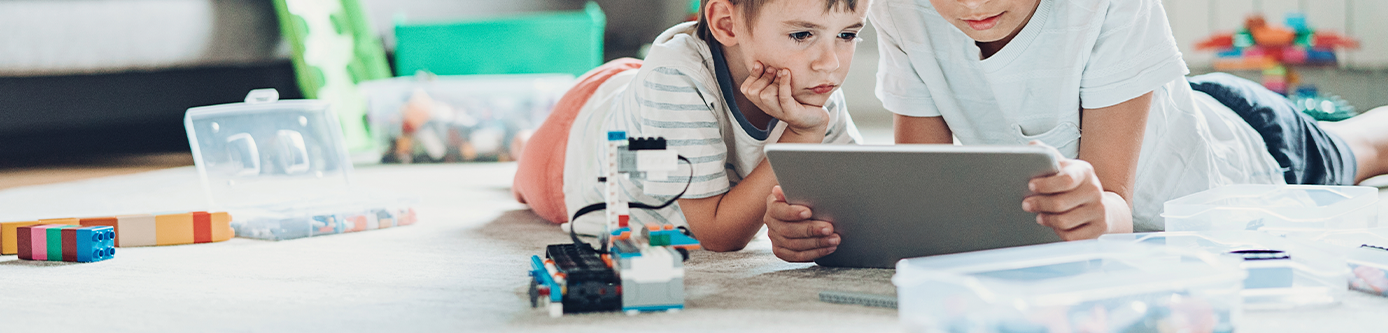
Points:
[(652, 308), (96, 244), (616, 135), (1320, 56), (676, 238), (537, 270), (619, 231), (625, 249)]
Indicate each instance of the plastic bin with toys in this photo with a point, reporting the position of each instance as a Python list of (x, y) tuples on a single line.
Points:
[(433, 119)]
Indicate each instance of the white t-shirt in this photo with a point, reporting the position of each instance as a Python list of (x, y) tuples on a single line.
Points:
[(676, 95), (1072, 54)]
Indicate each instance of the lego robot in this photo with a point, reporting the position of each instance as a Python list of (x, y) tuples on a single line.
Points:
[(640, 267)]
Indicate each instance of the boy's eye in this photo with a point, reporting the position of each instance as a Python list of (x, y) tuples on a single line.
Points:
[(800, 36), (848, 36)]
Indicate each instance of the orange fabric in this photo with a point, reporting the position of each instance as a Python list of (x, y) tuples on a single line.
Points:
[(539, 179)]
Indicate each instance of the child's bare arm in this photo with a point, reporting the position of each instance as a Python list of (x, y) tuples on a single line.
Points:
[(726, 222), (921, 130), (1092, 195)]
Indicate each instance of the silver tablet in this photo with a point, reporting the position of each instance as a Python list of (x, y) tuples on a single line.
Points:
[(903, 201)]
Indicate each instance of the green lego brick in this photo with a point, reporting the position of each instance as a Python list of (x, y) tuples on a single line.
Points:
[(660, 240), (55, 242)]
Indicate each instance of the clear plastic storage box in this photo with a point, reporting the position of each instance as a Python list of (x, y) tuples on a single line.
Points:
[(1274, 208), (1282, 274), (281, 169), (458, 118), (1080, 286), (1365, 251)]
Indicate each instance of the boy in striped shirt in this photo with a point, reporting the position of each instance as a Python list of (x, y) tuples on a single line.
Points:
[(748, 73)]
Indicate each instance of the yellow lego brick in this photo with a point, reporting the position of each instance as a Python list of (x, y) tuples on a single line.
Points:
[(8, 242), (173, 229), (221, 227)]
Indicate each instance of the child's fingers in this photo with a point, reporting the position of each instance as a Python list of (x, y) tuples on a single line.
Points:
[(777, 194), (1059, 202), (802, 256), (1072, 174), (754, 78), (801, 229), (1052, 150), (768, 96), (804, 244), (778, 211), (786, 99), (782, 212), (1073, 219), (1083, 231), (765, 78)]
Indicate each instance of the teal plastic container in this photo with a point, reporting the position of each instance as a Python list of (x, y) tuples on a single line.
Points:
[(557, 42)]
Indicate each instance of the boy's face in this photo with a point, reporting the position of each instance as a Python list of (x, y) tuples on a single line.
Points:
[(986, 20), (815, 45)]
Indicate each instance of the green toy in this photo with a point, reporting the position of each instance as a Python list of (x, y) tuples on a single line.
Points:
[(559, 42), (334, 48)]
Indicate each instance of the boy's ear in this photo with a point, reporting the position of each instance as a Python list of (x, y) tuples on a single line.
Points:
[(724, 21)]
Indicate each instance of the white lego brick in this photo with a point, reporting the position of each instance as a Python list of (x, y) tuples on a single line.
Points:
[(656, 160), (556, 310), (136, 230), (654, 265)]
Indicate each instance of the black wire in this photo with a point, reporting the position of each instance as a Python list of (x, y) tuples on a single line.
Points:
[(601, 206)]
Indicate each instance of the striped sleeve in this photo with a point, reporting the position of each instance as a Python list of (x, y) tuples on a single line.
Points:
[(667, 102)]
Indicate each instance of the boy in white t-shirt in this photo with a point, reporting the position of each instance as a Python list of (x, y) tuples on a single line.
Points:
[(749, 73), (1045, 71)]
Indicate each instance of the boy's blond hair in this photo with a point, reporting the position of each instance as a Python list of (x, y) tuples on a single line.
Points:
[(750, 9)]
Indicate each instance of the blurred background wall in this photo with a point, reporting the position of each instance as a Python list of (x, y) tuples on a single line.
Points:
[(91, 76)]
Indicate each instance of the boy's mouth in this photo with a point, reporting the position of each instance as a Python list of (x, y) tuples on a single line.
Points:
[(823, 89), (984, 23)]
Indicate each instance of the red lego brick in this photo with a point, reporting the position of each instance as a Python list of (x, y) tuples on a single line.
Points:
[(202, 227), (69, 236), (102, 221), (25, 241)]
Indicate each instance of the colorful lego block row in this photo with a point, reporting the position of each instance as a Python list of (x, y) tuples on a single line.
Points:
[(138, 230), (9, 230), (64, 242)]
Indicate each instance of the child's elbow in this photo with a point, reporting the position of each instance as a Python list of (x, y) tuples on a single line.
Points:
[(723, 245)]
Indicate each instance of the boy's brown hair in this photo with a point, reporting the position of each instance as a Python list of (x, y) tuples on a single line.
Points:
[(750, 9)]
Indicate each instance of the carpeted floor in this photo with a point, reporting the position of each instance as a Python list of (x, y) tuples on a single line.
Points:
[(461, 268)]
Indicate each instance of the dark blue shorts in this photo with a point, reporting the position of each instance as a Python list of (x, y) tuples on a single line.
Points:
[(1307, 153)]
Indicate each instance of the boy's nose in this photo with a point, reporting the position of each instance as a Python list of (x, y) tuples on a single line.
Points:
[(827, 60)]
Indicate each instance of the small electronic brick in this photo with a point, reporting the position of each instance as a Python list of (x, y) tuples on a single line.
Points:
[(640, 267)]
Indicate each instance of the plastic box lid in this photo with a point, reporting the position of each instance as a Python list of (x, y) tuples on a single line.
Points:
[(282, 169), (994, 289), (1365, 252), (1274, 208), (1282, 274), (266, 151)]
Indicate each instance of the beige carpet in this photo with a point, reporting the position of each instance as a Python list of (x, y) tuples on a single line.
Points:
[(462, 268)]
